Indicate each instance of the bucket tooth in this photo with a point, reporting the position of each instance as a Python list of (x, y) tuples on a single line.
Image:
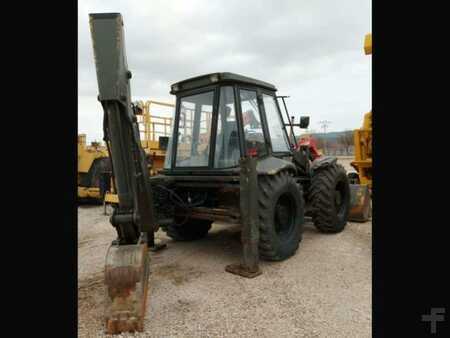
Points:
[(360, 206), (126, 279)]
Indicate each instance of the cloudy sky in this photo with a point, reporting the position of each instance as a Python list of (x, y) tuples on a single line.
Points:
[(310, 50)]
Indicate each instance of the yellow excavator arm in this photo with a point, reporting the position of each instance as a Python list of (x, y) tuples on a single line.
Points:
[(368, 44), (360, 201)]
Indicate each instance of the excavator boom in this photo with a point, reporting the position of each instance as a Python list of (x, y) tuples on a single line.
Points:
[(127, 260)]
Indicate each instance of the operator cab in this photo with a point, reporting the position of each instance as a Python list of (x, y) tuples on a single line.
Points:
[(218, 118)]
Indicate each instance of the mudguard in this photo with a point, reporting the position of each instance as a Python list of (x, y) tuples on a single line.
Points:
[(273, 165), (323, 161)]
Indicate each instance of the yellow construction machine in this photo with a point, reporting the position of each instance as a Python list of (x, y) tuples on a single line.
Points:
[(363, 138), (92, 161), (363, 152), (155, 133), (362, 180)]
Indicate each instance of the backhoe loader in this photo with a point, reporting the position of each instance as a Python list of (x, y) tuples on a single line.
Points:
[(229, 158)]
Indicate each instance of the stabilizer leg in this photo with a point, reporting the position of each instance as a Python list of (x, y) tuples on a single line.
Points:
[(249, 267)]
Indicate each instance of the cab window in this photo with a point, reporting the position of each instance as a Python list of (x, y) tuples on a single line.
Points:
[(227, 152), (277, 132), (252, 125), (194, 130)]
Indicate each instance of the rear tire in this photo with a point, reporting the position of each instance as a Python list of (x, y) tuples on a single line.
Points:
[(330, 198), (192, 230), (281, 216)]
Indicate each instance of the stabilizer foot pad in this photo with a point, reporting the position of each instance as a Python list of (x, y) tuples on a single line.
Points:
[(243, 271)]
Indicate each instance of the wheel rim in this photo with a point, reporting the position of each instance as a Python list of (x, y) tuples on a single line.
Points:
[(284, 218), (339, 199)]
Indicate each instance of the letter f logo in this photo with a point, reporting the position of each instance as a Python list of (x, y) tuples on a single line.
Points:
[(436, 315)]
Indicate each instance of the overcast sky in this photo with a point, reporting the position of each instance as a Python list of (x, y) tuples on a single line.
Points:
[(310, 50)]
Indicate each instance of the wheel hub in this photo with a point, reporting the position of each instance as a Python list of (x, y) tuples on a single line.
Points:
[(284, 214)]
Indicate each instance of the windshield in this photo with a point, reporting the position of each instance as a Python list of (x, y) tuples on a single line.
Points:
[(276, 128), (194, 130)]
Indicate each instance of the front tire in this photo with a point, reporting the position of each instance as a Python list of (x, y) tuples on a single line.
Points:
[(281, 216), (330, 198)]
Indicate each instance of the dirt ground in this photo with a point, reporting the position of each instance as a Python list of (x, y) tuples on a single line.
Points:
[(322, 291)]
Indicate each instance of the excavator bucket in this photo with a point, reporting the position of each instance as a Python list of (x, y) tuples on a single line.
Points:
[(360, 207), (126, 279)]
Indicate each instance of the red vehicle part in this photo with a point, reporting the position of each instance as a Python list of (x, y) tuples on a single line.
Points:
[(311, 143)]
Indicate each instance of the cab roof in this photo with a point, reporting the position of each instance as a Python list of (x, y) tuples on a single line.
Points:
[(213, 78)]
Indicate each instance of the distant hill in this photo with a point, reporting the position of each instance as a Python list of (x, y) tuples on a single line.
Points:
[(334, 143), (333, 135)]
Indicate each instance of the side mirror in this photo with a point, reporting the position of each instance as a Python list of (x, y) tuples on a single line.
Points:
[(304, 122)]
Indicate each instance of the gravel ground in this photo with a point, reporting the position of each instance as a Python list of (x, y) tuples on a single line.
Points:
[(322, 291)]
